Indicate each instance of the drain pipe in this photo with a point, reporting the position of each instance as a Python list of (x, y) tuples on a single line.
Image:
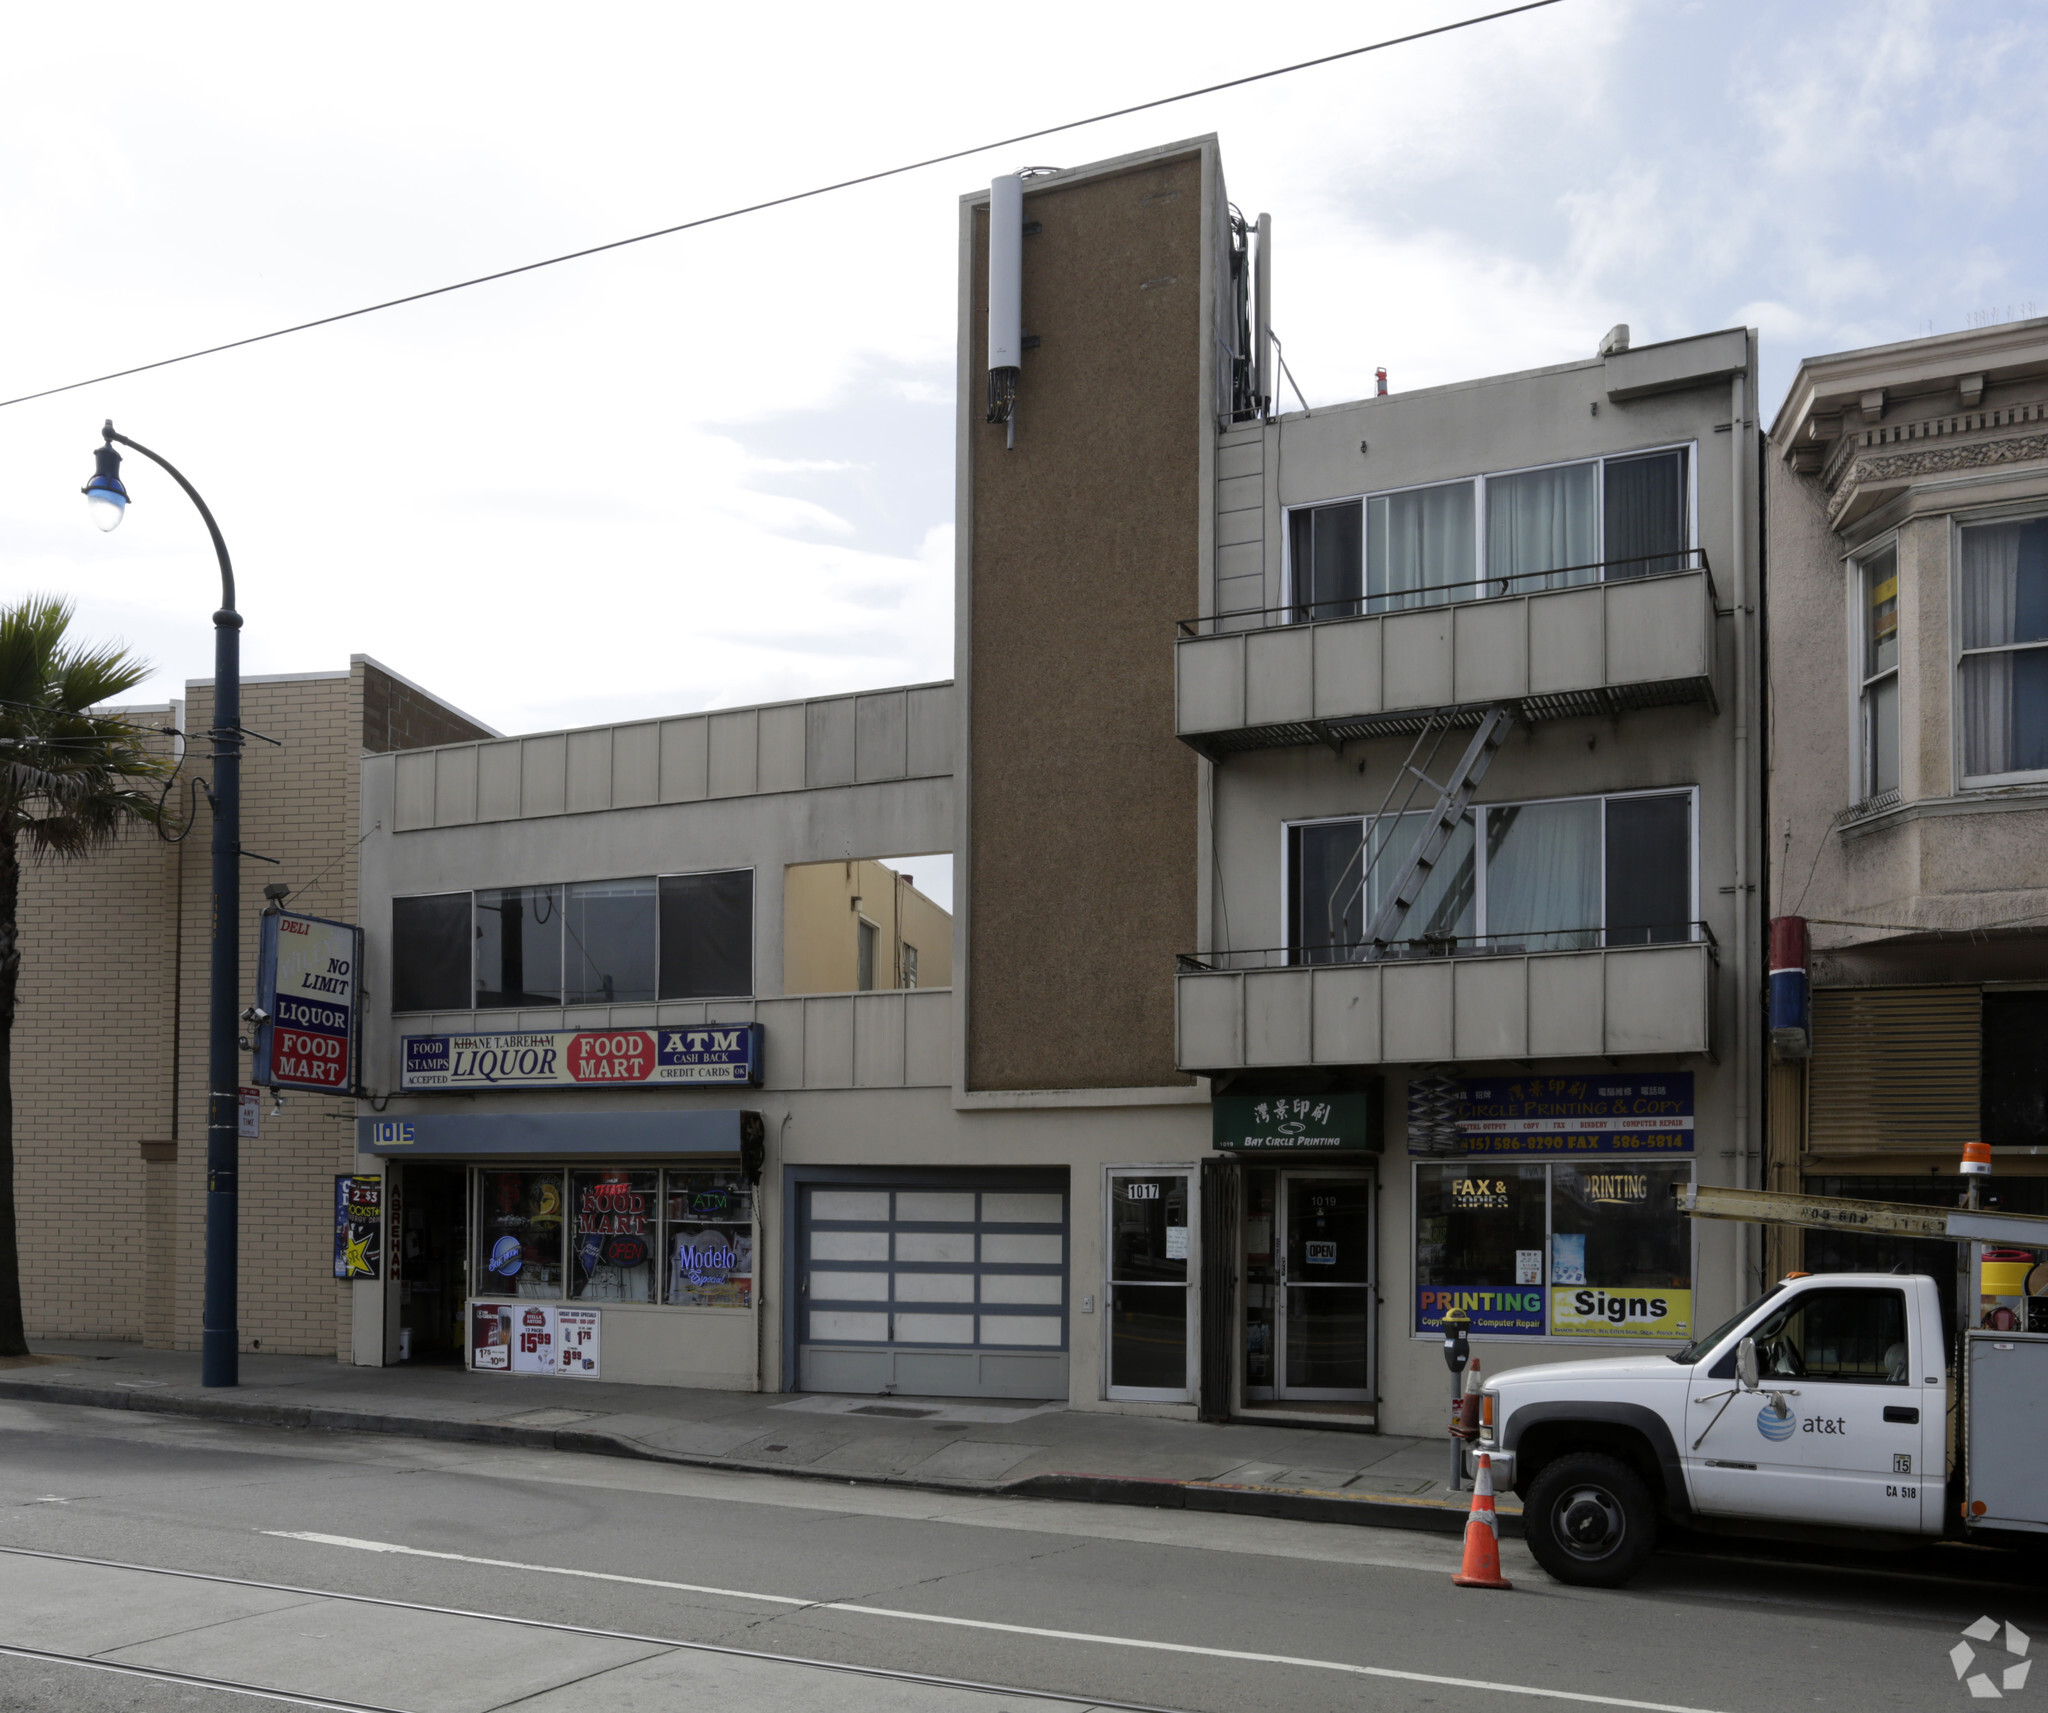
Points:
[(1738, 440)]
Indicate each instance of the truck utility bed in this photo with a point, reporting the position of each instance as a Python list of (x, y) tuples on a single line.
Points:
[(2005, 1459)]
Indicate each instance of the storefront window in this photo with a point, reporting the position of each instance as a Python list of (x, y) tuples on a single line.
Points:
[(1479, 1228), (710, 1240), (1258, 1281), (616, 1214), (1620, 1252), (1591, 1248), (519, 1234)]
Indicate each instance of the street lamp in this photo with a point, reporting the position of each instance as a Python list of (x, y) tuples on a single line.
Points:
[(108, 499)]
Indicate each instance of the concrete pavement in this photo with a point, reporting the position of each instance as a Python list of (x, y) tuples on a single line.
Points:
[(1017, 1450)]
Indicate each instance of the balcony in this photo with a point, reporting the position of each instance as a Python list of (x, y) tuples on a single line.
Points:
[(1609, 643), (1535, 996)]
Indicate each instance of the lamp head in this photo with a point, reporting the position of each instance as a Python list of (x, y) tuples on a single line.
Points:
[(105, 497)]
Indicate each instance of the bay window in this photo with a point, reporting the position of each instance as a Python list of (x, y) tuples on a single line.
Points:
[(2003, 668), (1568, 874), (1880, 694)]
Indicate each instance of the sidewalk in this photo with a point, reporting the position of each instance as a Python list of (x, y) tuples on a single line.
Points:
[(1006, 1450)]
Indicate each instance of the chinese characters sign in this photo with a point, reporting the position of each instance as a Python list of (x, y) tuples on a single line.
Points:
[(306, 980), (1645, 1112), (585, 1058), (358, 1227), (1248, 1123)]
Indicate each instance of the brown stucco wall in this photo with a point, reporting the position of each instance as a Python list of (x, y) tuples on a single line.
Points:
[(396, 716), (1084, 550)]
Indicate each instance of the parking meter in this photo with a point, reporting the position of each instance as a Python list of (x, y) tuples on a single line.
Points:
[(1457, 1326), (1457, 1341)]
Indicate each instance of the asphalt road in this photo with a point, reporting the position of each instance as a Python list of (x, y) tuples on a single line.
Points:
[(361, 1571)]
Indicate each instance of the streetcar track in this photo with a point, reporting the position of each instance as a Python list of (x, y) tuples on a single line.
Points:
[(186, 1680), (1081, 1703)]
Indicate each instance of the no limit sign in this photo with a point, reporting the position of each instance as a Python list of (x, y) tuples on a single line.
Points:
[(308, 980)]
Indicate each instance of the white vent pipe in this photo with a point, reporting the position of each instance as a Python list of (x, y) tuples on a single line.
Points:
[(1263, 388), (1005, 298)]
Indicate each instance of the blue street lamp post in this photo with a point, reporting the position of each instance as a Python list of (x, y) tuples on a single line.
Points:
[(108, 501)]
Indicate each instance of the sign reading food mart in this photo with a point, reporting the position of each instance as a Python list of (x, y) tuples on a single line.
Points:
[(307, 984), (1276, 1124), (720, 1053)]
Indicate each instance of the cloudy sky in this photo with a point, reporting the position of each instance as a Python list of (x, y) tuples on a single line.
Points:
[(716, 468)]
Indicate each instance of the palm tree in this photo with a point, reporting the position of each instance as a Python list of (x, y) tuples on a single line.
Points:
[(71, 780)]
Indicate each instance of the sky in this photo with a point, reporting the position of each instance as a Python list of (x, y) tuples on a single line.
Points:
[(716, 468)]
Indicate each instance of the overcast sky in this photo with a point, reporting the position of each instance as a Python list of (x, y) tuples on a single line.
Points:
[(717, 468)]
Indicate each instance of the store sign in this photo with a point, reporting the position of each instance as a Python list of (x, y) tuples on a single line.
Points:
[(307, 981), (1256, 1123), (1491, 1308), (724, 1053), (1640, 1112), (1590, 1312), (358, 1227)]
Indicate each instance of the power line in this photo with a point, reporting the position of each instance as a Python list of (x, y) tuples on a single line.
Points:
[(793, 196)]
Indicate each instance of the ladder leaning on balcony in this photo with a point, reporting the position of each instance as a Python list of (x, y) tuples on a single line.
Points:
[(1454, 798)]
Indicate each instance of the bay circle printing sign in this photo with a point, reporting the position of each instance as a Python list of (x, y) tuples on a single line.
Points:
[(307, 980), (728, 1053)]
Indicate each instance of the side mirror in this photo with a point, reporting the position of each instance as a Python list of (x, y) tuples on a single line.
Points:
[(1745, 1364)]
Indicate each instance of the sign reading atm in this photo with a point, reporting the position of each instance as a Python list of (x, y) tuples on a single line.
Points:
[(725, 1053)]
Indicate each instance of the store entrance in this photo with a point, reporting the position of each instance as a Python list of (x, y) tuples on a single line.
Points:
[(432, 1261), (1308, 1271)]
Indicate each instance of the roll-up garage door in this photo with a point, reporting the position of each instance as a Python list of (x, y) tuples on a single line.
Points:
[(1895, 1070), (939, 1288)]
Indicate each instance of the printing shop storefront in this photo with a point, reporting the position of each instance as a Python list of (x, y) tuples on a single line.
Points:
[(608, 1244), (1556, 1218)]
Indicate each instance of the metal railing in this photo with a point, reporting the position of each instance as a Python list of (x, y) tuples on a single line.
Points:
[(1423, 946), (1469, 589)]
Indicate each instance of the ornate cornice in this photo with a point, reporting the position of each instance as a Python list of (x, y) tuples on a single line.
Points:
[(1866, 467)]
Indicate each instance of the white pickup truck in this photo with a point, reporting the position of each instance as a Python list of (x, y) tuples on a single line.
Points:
[(1823, 1406)]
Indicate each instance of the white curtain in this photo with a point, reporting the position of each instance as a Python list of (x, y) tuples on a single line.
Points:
[(1445, 904), (1991, 576), (1543, 873), (1543, 520), (1420, 547)]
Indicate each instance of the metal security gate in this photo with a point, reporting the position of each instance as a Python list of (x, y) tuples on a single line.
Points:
[(932, 1286)]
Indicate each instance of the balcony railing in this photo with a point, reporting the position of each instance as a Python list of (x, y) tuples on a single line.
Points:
[(1465, 590), (1447, 946), (1448, 1001), (1551, 644)]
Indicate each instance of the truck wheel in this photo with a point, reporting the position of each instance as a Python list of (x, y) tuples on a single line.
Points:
[(1589, 1520)]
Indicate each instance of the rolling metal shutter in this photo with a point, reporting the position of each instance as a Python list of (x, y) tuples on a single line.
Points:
[(1895, 1070)]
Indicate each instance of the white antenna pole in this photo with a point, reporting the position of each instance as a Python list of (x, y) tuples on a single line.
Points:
[(1262, 322), (1005, 299)]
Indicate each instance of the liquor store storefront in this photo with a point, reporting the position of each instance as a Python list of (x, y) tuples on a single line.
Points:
[(615, 1245)]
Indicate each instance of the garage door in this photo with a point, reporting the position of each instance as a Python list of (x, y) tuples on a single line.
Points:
[(934, 1288)]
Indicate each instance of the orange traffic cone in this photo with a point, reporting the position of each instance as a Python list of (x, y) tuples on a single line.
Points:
[(1481, 1568)]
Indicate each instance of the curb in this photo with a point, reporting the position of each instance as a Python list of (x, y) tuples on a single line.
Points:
[(1155, 1492)]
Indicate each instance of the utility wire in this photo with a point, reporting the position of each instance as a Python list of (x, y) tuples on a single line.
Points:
[(793, 196)]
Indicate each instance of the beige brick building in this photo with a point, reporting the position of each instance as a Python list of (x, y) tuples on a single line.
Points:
[(110, 1041)]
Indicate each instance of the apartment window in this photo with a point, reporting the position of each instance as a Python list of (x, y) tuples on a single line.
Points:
[(609, 931), (707, 934), (518, 947), (864, 972), (2004, 663), (1879, 581), (1548, 528), (1562, 875), (430, 953), (909, 964)]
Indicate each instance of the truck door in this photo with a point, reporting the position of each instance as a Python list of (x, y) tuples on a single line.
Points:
[(1845, 1444)]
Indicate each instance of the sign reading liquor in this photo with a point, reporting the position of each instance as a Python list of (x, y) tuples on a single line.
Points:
[(586, 1058), (1613, 1112), (306, 979)]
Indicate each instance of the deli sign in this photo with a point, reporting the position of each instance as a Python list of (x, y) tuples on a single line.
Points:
[(720, 1053), (307, 981)]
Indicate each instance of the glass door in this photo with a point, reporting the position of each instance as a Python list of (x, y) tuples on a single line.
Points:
[(1151, 1328), (1326, 1286)]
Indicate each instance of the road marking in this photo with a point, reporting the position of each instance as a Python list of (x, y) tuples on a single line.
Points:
[(1581, 1697)]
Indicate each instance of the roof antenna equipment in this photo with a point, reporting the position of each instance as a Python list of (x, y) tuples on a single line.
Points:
[(1005, 300)]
